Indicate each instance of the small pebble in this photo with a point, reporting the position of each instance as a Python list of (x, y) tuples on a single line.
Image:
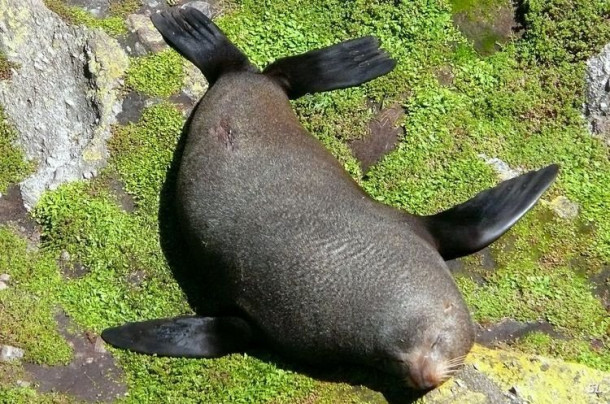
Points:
[(515, 391), (23, 383), (10, 353), (99, 345)]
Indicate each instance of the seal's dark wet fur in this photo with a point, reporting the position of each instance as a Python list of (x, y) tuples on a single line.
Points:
[(303, 259)]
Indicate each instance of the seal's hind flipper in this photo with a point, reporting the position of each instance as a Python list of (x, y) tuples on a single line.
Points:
[(343, 65), (190, 337), (476, 223), (198, 39)]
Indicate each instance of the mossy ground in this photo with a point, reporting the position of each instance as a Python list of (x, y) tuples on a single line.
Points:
[(159, 74), (521, 104), (114, 24)]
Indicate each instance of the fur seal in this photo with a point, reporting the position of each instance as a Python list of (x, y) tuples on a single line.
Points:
[(304, 259)]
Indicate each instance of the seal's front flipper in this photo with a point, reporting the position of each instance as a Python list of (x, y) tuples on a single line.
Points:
[(198, 39), (476, 223), (190, 337), (346, 64)]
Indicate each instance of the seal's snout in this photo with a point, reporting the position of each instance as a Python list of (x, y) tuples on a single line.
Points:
[(425, 373), (427, 370)]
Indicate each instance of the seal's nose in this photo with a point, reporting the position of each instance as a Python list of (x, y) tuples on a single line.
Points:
[(425, 374)]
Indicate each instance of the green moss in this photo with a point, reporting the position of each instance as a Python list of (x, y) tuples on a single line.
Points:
[(526, 293), (143, 152), (159, 74), (28, 395), (28, 304), (561, 31), (88, 223), (229, 379), (113, 25), (13, 167), (474, 5), (543, 344), (122, 8)]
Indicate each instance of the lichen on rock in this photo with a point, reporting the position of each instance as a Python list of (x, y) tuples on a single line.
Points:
[(500, 376), (63, 98)]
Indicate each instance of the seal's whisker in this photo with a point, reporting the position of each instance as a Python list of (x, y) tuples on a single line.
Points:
[(455, 367), (459, 359)]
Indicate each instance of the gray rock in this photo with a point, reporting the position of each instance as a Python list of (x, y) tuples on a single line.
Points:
[(3, 285), (504, 171), (100, 346), (64, 256), (204, 7), (598, 94), (63, 97), (195, 84), (147, 34), (564, 208), (10, 353), (5, 277), (154, 4), (23, 383)]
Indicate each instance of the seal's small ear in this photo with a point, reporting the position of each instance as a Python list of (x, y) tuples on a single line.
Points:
[(473, 225), (343, 65), (189, 337)]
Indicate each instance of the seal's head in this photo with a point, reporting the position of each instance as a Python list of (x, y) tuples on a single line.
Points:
[(429, 356), (427, 340)]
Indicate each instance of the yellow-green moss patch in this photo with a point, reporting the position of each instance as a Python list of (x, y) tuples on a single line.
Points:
[(113, 25), (159, 74), (542, 380), (28, 304)]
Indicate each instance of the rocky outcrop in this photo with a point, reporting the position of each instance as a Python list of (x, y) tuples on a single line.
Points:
[(63, 96), (496, 376), (597, 106)]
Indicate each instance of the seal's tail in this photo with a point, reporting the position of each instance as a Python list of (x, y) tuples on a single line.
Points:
[(198, 39), (343, 65)]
